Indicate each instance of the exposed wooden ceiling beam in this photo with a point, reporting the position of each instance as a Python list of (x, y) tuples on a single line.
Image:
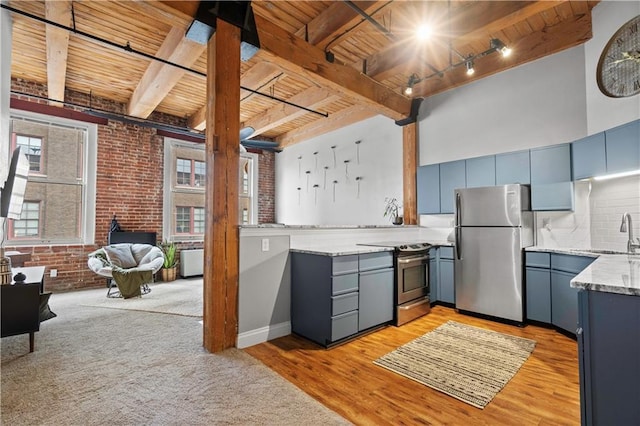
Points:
[(478, 20), (57, 48), (319, 127), (298, 56), (256, 77), (313, 97), (333, 22), (549, 40), (160, 78)]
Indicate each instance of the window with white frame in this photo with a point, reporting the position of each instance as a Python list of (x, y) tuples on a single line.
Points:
[(185, 179), (28, 226), (61, 184)]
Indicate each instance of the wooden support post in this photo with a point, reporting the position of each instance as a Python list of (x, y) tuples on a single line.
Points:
[(409, 167), (221, 242)]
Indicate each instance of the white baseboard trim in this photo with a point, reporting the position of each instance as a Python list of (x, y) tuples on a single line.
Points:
[(264, 334)]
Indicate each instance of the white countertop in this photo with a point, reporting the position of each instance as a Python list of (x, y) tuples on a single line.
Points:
[(617, 273), (334, 249), (612, 271)]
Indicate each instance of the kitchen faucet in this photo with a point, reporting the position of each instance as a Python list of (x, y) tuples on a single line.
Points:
[(627, 226)]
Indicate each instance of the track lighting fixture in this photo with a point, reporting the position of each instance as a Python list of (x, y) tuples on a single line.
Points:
[(470, 69), (495, 45)]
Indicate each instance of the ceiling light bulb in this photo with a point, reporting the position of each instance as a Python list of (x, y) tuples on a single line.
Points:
[(408, 90), (505, 51), (470, 69), (423, 32)]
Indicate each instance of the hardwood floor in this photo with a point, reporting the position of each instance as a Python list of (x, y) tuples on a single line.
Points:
[(544, 392)]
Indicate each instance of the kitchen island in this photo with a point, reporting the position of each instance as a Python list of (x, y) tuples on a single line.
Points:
[(609, 340)]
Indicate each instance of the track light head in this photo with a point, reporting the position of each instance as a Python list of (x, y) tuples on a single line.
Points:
[(469, 65), (413, 79), (499, 46)]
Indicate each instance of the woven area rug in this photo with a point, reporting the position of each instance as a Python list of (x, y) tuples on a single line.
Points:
[(468, 363)]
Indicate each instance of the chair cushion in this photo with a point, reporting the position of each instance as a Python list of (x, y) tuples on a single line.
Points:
[(120, 255)]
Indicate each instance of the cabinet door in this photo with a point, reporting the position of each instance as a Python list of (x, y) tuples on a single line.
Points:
[(481, 171), (428, 186), (452, 176), (433, 275), (538, 294), (552, 196), (623, 148), (446, 292), (551, 164), (589, 157), (513, 167), (564, 301), (375, 303)]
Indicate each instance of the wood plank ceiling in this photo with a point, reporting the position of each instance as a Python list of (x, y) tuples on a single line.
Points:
[(372, 43)]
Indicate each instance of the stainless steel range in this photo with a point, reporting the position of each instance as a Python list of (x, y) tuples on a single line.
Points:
[(411, 261)]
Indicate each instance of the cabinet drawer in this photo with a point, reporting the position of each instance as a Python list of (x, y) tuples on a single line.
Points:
[(446, 252), (344, 284), (569, 263), (344, 303), (344, 264), (538, 260), (369, 261), (344, 325)]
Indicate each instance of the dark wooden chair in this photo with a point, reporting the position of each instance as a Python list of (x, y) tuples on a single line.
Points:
[(20, 313)]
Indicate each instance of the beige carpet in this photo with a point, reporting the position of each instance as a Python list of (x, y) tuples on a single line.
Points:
[(180, 297), (468, 363), (104, 366)]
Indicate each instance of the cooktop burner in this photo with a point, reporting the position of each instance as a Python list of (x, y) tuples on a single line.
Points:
[(400, 245)]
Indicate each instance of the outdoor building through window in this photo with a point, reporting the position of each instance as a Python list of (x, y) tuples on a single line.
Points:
[(185, 180), (59, 204)]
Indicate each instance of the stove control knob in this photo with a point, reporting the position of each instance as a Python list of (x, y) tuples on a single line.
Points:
[(403, 247)]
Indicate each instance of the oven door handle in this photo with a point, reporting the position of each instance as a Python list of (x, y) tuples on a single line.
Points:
[(413, 259)]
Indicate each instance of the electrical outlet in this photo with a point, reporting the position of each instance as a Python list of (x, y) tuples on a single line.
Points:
[(53, 273), (265, 244)]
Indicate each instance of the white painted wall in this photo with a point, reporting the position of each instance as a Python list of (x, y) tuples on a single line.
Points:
[(5, 87), (536, 104), (379, 166), (604, 112)]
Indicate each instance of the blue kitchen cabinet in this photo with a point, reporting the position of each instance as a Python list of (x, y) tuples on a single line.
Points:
[(589, 157), (446, 285), (375, 300), (481, 171), (428, 186), (551, 184), (564, 298), (513, 167), (452, 176), (538, 286), (623, 147), (433, 275), (608, 356)]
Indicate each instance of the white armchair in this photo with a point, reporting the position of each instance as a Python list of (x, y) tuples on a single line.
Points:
[(137, 262)]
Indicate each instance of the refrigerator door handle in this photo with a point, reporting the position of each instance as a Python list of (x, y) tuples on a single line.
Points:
[(457, 225)]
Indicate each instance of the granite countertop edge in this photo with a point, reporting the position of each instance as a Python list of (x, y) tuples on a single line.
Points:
[(611, 272), (357, 248)]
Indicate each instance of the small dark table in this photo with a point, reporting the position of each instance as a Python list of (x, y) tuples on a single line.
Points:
[(20, 304)]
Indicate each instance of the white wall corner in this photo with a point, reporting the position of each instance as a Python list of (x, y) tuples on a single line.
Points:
[(264, 334)]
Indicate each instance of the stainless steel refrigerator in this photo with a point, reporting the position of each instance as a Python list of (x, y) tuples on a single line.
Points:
[(492, 226)]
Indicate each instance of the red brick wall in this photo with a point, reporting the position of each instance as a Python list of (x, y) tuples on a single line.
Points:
[(129, 185)]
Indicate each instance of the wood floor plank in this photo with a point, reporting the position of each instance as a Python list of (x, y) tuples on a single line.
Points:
[(545, 391)]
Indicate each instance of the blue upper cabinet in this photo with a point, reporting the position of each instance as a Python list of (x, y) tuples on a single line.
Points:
[(481, 171), (452, 176), (551, 164), (589, 158), (513, 167), (623, 147), (428, 186), (551, 185)]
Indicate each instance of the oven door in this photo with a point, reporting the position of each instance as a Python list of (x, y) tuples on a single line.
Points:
[(412, 276)]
